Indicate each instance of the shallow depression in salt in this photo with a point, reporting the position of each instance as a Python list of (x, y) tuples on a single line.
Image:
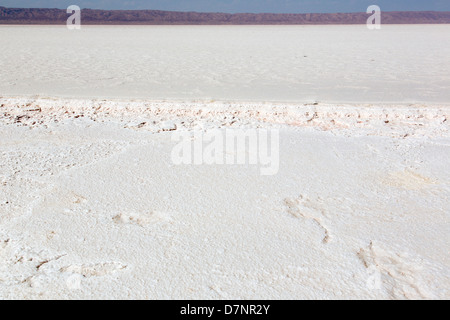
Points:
[(399, 63)]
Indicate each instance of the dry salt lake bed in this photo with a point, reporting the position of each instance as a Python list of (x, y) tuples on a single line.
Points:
[(92, 204)]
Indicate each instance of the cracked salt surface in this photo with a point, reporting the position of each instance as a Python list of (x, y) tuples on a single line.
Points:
[(96, 209), (91, 206)]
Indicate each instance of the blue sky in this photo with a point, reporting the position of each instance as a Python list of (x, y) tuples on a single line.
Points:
[(285, 6)]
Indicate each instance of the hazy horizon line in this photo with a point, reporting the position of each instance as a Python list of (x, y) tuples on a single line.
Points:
[(224, 12)]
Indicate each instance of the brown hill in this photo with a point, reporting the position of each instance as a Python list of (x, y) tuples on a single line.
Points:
[(155, 17)]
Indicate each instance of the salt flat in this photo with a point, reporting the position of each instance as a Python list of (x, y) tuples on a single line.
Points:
[(92, 205), (406, 64)]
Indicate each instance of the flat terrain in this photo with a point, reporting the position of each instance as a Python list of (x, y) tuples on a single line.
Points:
[(92, 205), (401, 64)]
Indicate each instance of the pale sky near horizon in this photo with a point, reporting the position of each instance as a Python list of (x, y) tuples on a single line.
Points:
[(233, 6)]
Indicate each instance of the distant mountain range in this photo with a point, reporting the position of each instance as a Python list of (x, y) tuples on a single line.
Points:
[(155, 17)]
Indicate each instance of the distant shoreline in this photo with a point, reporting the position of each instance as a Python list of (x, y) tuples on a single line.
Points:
[(22, 16)]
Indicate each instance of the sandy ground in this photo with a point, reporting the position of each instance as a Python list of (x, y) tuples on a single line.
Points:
[(91, 205)]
